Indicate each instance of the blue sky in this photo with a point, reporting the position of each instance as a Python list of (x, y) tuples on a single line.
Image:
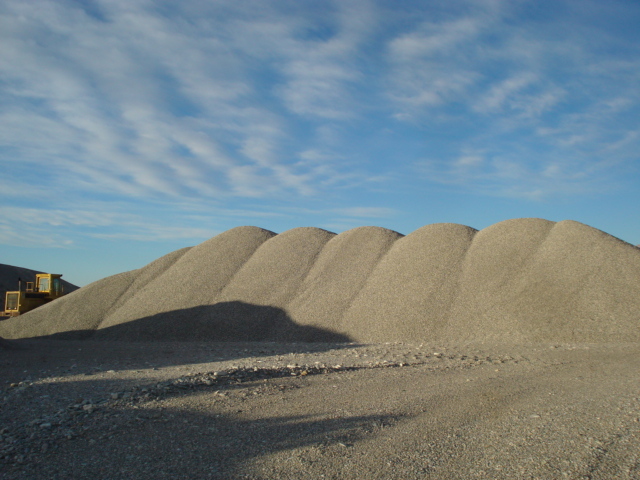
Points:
[(132, 128)]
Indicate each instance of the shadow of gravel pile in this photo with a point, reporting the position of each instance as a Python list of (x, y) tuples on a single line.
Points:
[(8, 345), (520, 280)]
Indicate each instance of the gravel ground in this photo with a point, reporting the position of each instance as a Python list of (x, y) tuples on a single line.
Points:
[(116, 410)]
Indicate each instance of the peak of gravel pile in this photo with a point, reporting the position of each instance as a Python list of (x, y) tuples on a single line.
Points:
[(10, 275), (523, 280)]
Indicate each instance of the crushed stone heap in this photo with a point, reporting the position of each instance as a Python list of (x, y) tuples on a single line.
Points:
[(523, 280)]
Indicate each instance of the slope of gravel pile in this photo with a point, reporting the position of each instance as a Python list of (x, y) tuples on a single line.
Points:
[(519, 281), (410, 292)]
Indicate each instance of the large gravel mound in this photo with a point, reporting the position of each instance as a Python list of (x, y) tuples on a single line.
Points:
[(524, 280)]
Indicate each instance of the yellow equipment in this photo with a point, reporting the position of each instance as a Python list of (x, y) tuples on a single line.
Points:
[(46, 288)]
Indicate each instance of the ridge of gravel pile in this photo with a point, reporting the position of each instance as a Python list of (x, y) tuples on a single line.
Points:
[(522, 280)]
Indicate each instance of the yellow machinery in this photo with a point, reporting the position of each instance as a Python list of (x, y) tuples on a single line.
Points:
[(46, 288)]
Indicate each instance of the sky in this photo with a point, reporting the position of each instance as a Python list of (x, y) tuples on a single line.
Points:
[(132, 128)]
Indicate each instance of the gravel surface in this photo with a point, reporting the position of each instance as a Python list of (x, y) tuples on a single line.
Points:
[(289, 410)]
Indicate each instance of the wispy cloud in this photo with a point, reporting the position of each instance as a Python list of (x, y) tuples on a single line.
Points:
[(131, 100), (545, 104), (366, 212), (57, 228), (518, 175), (172, 106)]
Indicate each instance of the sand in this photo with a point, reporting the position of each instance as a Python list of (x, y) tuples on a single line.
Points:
[(449, 353)]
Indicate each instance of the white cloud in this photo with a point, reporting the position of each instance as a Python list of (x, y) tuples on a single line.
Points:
[(366, 212), (546, 104), (38, 216), (41, 227), (434, 39), (436, 63), (518, 175), (30, 236), (214, 102), (469, 161), (145, 104), (502, 93), (155, 232)]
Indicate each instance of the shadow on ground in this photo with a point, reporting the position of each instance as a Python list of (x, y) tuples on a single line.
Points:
[(222, 332), (144, 437)]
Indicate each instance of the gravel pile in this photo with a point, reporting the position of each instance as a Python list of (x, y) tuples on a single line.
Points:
[(520, 280)]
